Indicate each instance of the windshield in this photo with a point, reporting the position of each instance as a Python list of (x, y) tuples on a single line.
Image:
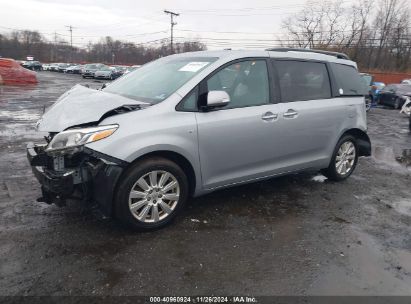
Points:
[(157, 80)]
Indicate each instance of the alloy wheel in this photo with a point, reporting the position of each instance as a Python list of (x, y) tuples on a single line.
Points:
[(154, 196), (345, 159)]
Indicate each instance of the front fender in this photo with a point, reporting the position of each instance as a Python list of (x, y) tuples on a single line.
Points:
[(139, 135)]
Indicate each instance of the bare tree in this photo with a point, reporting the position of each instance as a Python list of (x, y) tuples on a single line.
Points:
[(19, 44), (376, 39), (317, 25)]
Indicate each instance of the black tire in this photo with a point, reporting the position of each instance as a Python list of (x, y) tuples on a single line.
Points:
[(131, 176), (397, 103), (84, 76), (331, 172)]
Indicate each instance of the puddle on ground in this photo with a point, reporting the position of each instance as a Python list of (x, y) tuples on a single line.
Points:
[(391, 156), (22, 115), (364, 268)]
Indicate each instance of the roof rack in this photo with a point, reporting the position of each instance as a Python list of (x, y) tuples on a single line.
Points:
[(335, 54)]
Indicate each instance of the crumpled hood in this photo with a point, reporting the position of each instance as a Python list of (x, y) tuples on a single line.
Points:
[(81, 105)]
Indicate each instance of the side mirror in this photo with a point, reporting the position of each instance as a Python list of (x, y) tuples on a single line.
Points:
[(217, 99)]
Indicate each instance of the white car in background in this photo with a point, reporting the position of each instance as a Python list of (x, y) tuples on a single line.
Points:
[(46, 67), (105, 72)]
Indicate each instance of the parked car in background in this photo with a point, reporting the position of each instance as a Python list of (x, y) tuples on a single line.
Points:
[(12, 73), (45, 66), (63, 66), (378, 86), (119, 70), (54, 67), (32, 65), (393, 95), (376, 89), (406, 81), (131, 69), (199, 122), (74, 69), (90, 69), (406, 108), (369, 98), (105, 72)]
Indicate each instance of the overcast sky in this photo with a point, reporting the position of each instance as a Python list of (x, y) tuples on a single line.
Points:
[(210, 21)]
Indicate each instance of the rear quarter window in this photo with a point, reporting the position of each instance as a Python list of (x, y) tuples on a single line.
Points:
[(348, 80)]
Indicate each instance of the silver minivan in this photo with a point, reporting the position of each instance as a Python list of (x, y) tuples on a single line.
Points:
[(188, 124)]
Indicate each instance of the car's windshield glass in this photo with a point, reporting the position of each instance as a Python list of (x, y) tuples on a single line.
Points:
[(157, 80)]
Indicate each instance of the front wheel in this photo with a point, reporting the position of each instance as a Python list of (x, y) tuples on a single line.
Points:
[(344, 159), (397, 103), (151, 193)]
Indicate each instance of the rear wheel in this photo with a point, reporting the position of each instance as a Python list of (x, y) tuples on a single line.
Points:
[(344, 159), (368, 102), (151, 194)]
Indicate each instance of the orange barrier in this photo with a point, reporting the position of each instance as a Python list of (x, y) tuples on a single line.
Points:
[(12, 73)]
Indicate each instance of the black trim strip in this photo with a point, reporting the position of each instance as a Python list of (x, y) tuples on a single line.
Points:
[(96, 154)]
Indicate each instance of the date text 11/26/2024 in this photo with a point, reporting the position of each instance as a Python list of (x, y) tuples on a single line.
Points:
[(204, 299)]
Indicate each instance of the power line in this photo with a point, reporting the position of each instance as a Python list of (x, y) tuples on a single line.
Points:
[(172, 15)]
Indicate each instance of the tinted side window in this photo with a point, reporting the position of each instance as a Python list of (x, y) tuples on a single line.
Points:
[(300, 80), (349, 82), (246, 82)]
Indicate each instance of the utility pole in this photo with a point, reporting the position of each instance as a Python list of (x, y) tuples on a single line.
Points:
[(172, 14), (71, 41), (54, 49)]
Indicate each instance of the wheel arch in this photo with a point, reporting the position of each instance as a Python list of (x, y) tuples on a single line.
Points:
[(363, 141), (175, 157)]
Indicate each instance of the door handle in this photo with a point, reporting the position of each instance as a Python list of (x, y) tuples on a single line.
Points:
[(290, 113), (269, 116)]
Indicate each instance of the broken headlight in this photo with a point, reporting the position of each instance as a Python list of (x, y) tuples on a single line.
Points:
[(78, 137)]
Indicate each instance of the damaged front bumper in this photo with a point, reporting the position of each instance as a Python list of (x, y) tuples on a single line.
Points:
[(79, 173)]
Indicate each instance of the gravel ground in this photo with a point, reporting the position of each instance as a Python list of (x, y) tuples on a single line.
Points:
[(294, 235)]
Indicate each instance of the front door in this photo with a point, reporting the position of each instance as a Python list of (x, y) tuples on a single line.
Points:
[(238, 142)]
